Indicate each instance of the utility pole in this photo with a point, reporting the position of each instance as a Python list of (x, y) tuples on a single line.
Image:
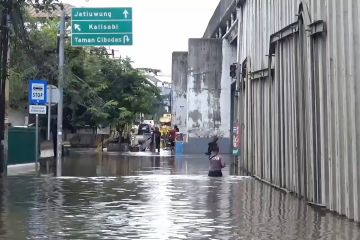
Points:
[(61, 91), (4, 46), (7, 99)]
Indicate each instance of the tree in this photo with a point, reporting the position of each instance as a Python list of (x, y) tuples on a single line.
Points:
[(98, 90), (39, 62), (11, 9)]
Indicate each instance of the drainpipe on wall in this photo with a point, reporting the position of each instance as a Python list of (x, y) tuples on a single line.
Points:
[(239, 86)]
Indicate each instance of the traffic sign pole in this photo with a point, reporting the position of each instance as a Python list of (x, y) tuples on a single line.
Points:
[(36, 142), (61, 89), (49, 115), (37, 105)]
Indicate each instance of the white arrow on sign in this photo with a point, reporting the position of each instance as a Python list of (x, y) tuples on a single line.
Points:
[(126, 13), (77, 27), (126, 38)]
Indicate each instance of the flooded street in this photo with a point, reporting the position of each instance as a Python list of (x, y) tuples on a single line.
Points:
[(156, 197)]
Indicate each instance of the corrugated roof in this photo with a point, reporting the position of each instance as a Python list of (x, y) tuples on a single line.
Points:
[(49, 14)]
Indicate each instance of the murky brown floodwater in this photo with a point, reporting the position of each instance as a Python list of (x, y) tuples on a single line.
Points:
[(152, 197)]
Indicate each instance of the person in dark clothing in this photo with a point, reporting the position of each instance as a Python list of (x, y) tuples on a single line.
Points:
[(211, 145), (156, 136), (157, 139), (216, 163), (173, 138), (53, 129)]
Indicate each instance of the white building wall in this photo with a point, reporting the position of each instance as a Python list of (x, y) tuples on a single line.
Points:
[(204, 89), (179, 90), (229, 57)]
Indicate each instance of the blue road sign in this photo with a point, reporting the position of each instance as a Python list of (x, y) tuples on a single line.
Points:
[(38, 92)]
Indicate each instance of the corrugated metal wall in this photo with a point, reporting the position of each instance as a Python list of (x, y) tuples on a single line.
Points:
[(302, 124), (343, 110)]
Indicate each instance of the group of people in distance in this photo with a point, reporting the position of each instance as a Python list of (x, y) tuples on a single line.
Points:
[(156, 138)]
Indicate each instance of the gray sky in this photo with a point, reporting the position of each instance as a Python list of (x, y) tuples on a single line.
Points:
[(160, 27)]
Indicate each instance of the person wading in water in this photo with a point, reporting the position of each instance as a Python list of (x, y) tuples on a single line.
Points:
[(211, 145), (216, 163)]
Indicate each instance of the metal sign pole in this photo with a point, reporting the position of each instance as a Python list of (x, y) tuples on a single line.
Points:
[(37, 105), (49, 113), (61, 88), (36, 142)]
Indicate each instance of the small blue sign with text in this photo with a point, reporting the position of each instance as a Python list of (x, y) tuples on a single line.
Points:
[(37, 92)]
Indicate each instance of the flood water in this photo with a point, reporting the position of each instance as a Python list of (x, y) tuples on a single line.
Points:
[(156, 197)]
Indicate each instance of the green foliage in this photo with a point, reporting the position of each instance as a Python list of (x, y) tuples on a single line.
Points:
[(98, 90), (12, 6), (37, 62)]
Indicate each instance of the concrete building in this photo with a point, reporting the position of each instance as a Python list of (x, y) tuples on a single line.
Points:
[(295, 94), (179, 90), (201, 93)]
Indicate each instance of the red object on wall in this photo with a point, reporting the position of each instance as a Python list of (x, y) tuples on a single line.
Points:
[(236, 138)]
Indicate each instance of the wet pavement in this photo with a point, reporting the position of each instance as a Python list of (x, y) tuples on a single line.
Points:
[(144, 196)]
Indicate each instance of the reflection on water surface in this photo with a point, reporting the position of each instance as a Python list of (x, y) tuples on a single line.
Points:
[(156, 197)]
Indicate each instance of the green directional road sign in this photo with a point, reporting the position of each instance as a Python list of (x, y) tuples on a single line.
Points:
[(101, 27)]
